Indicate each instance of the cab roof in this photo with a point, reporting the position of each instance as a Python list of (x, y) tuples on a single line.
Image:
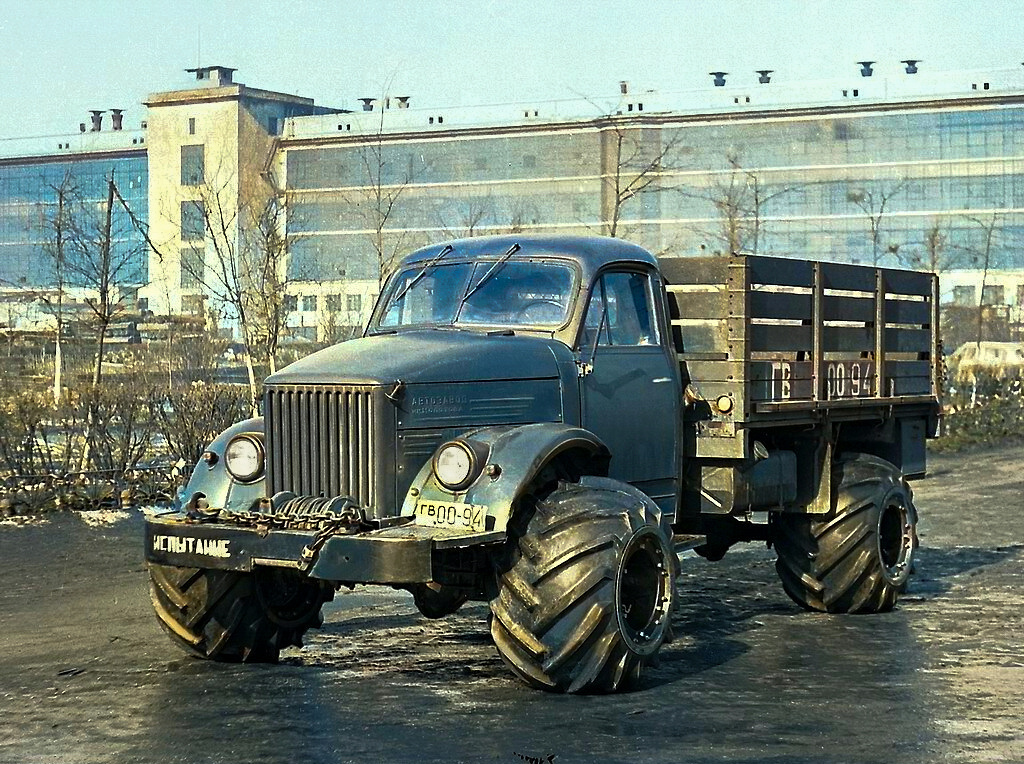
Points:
[(591, 252)]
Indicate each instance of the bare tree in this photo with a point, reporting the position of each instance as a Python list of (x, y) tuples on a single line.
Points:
[(873, 202), (740, 199), (59, 223), (239, 258), (100, 259), (982, 256), (933, 252), (634, 161), (218, 265), (472, 215), (376, 202), (267, 247), (479, 215)]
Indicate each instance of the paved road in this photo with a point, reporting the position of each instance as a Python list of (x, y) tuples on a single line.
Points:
[(87, 676)]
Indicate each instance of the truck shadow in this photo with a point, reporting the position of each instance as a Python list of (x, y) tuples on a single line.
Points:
[(720, 611), (937, 569), (721, 607)]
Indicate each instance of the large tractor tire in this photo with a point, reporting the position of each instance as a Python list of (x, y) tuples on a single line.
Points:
[(588, 598), (228, 616), (858, 557)]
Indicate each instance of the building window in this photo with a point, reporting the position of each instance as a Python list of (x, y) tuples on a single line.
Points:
[(333, 303), (354, 302), (193, 268), (992, 295), (192, 165), (309, 303), (191, 125), (291, 303), (193, 221), (963, 295), (192, 304)]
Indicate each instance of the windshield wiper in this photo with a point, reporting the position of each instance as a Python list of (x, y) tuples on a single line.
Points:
[(490, 272), (423, 272)]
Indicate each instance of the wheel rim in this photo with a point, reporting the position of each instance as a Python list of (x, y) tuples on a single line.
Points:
[(895, 541), (643, 592)]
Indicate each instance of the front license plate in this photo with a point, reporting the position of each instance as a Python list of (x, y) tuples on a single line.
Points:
[(439, 514)]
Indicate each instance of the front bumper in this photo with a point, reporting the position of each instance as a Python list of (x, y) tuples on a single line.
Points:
[(401, 554)]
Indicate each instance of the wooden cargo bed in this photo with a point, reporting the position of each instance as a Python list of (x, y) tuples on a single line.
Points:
[(790, 340)]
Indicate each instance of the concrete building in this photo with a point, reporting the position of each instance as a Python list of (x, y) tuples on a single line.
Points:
[(890, 165)]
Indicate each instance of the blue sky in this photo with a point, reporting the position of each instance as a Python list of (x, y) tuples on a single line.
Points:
[(63, 57)]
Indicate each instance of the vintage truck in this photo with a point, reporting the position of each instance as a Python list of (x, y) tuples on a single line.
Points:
[(544, 424)]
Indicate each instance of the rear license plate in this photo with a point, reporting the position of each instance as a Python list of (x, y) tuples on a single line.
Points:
[(453, 514)]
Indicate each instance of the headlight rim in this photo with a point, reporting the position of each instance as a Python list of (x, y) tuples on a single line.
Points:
[(475, 465), (261, 460)]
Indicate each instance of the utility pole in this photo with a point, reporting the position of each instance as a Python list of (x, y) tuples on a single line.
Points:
[(104, 284)]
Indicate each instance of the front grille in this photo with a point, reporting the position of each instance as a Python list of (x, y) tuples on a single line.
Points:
[(331, 440)]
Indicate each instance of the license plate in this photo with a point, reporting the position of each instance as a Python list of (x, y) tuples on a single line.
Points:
[(452, 514)]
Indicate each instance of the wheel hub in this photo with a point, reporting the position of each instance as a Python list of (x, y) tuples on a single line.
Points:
[(288, 599), (643, 592), (895, 541)]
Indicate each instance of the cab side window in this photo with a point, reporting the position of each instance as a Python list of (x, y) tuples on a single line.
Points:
[(621, 312)]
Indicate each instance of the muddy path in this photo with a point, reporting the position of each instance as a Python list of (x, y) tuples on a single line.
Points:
[(86, 675)]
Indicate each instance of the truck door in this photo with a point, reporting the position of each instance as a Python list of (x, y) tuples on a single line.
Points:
[(630, 386)]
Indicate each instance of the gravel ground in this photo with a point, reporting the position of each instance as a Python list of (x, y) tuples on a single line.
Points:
[(86, 675)]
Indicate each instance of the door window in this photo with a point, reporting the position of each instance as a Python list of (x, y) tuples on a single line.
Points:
[(621, 312)]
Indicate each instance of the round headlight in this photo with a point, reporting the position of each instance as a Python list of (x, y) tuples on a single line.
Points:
[(244, 458), (455, 466)]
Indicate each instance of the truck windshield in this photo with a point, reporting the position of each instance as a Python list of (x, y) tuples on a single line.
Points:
[(515, 293)]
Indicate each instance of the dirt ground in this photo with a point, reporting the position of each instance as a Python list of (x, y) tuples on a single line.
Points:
[(86, 675)]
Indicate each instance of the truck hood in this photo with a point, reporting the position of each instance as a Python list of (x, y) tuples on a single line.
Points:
[(427, 356)]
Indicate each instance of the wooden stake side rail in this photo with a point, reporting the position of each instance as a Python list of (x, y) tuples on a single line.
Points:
[(779, 334)]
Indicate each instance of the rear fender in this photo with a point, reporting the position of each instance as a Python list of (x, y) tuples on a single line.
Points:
[(516, 457), (212, 480)]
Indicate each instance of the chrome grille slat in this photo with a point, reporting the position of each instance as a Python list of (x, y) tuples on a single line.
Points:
[(325, 440)]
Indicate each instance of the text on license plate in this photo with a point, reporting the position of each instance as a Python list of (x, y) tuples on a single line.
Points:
[(451, 515)]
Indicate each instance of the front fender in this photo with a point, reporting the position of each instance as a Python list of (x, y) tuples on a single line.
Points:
[(211, 477), (518, 454)]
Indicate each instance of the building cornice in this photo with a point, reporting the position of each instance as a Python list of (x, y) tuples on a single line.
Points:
[(76, 155), (234, 92)]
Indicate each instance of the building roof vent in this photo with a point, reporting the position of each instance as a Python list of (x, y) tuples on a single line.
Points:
[(911, 65), (97, 120), (214, 75), (367, 103), (719, 78), (623, 87), (403, 102), (116, 116), (865, 68), (764, 76)]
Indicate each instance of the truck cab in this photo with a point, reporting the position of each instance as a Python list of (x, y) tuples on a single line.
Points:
[(599, 307)]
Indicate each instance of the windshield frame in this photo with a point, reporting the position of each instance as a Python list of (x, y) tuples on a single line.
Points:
[(375, 326)]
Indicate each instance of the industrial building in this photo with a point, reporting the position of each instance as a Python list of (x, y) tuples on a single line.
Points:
[(889, 164)]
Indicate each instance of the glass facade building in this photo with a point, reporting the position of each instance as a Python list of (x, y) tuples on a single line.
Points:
[(907, 184), (892, 171), (29, 193)]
